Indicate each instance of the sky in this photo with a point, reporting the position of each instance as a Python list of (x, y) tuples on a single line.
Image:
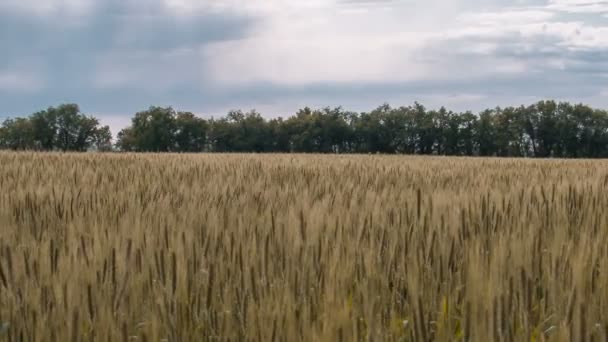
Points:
[(117, 57)]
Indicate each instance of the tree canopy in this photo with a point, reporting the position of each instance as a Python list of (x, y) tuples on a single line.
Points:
[(544, 129), (63, 128)]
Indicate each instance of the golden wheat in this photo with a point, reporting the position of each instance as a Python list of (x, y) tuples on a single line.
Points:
[(293, 247)]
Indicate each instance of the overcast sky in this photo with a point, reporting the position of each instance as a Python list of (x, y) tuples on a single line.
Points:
[(115, 57)]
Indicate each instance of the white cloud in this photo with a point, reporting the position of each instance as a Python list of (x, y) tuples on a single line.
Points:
[(46, 7), (579, 6), (322, 41), (402, 41), (252, 7), (322, 59), (509, 17), (529, 26), (283, 51), (20, 81), (454, 99), (150, 71)]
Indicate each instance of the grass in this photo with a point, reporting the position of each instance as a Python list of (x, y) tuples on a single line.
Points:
[(293, 247)]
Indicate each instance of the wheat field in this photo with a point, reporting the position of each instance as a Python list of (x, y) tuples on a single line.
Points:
[(125, 247)]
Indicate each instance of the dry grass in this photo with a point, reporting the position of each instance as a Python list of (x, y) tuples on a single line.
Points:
[(288, 248)]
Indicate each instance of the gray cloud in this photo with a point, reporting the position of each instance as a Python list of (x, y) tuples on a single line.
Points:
[(123, 56), (145, 42)]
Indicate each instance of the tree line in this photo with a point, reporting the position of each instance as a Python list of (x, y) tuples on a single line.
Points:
[(544, 129), (63, 128)]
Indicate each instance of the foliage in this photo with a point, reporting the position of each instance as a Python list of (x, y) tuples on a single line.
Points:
[(63, 128), (546, 129)]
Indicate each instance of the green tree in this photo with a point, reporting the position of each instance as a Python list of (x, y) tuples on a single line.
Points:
[(152, 130), (44, 125), (125, 140), (279, 135), (424, 129), (467, 131), (74, 131), (378, 131), (486, 134), (544, 129), (241, 132), (62, 128), (17, 134), (253, 134), (102, 139), (301, 131), (3, 138), (547, 128), (190, 132)]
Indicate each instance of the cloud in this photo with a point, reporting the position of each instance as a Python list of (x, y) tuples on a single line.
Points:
[(120, 56), (157, 71), (579, 6), (510, 17), (336, 48), (508, 53), (12, 81), (109, 48), (47, 7), (311, 44)]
